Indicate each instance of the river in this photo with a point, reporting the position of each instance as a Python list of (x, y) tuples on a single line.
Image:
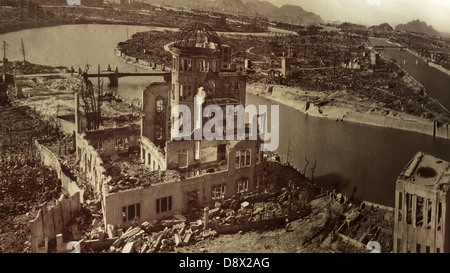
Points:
[(436, 83), (348, 155)]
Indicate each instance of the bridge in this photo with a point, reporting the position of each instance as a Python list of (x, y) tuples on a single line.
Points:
[(114, 76), (390, 46)]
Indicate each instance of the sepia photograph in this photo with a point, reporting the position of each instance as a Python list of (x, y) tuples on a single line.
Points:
[(224, 127)]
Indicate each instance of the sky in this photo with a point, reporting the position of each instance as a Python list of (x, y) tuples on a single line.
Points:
[(371, 12)]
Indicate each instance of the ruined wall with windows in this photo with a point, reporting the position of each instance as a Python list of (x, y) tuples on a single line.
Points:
[(239, 159), (152, 155), (164, 200), (421, 207), (113, 141), (156, 113)]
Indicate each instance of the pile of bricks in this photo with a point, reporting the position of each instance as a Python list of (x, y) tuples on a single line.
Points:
[(175, 234)]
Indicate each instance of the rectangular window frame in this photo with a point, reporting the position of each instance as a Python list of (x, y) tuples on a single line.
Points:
[(243, 156), (248, 158), (242, 185), (163, 204), (218, 191), (130, 212), (237, 160)]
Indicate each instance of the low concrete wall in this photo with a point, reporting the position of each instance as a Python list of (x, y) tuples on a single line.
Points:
[(425, 127), (442, 130), (440, 68), (246, 226), (50, 222)]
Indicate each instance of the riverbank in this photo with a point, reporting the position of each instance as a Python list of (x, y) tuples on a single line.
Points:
[(138, 62), (348, 106), (429, 62)]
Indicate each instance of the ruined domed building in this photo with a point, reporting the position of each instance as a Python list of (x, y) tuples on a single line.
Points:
[(193, 172)]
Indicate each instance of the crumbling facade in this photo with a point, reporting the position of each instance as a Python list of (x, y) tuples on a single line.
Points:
[(422, 207)]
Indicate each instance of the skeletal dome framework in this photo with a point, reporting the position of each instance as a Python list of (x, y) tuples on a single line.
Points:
[(197, 35)]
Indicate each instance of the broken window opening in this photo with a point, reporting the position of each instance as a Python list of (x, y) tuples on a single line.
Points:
[(248, 157), (218, 191), (258, 154), (439, 216), (183, 158), (237, 160), (122, 144), (242, 186), (130, 212), (429, 213), (419, 211), (236, 86), (180, 94), (243, 153), (193, 200), (159, 105), (408, 199), (164, 204), (159, 132), (221, 152)]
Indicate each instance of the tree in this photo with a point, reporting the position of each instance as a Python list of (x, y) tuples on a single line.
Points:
[(92, 100)]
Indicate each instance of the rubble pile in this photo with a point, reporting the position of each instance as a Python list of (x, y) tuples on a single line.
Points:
[(24, 181), (25, 184), (20, 67), (24, 187), (175, 234), (119, 114), (370, 223), (257, 207), (130, 173), (87, 225)]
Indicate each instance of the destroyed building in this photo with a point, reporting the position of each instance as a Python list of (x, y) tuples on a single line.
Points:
[(422, 206), (173, 176)]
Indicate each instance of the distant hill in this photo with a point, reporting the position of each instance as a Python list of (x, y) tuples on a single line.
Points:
[(234, 6), (383, 28), (298, 15), (286, 14), (419, 27)]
